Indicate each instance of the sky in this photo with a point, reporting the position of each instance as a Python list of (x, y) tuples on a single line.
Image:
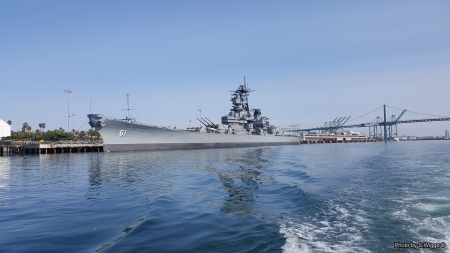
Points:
[(308, 61)]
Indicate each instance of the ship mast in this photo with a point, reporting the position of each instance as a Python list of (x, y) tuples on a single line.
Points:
[(128, 117)]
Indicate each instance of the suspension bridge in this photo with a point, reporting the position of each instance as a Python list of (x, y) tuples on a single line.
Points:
[(382, 122)]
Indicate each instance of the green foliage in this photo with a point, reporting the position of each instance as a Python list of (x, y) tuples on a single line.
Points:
[(51, 135), (93, 133), (57, 134), (21, 135)]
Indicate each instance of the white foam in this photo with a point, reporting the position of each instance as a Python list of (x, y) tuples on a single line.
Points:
[(429, 207), (337, 232), (439, 227), (293, 243)]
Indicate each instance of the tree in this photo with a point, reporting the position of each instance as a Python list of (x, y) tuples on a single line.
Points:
[(57, 134), (22, 135), (92, 132), (9, 122), (25, 127), (42, 126)]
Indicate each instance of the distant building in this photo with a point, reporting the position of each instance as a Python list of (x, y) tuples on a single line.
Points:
[(447, 136), (428, 137), (5, 129)]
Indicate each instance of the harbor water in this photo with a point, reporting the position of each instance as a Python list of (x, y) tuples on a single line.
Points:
[(358, 197)]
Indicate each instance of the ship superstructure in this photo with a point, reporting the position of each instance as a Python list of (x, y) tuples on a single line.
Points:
[(243, 120), (241, 127)]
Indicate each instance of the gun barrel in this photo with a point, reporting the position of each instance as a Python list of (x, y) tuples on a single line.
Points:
[(202, 122)]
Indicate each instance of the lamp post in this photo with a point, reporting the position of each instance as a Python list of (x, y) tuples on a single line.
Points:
[(73, 123), (68, 108), (189, 124), (200, 110)]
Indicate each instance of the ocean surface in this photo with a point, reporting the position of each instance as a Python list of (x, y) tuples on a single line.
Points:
[(358, 197)]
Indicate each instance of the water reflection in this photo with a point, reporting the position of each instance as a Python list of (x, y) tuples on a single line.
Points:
[(241, 184), (152, 174), (144, 174), (95, 178), (44, 159), (5, 170)]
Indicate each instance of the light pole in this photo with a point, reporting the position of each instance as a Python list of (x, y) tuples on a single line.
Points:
[(73, 123), (189, 124), (68, 108), (200, 110)]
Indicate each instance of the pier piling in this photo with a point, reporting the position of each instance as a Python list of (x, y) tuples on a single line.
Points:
[(38, 148)]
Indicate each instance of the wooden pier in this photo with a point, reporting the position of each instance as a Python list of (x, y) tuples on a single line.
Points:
[(36, 147), (326, 138)]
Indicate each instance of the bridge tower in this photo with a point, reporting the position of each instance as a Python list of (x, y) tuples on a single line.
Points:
[(376, 131), (385, 132), (391, 126)]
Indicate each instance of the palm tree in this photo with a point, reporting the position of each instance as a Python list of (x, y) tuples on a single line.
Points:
[(25, 126), (9, 122), (42, 126), (91, 132)]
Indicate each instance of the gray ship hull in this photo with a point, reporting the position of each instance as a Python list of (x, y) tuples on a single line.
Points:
[(121, 135)]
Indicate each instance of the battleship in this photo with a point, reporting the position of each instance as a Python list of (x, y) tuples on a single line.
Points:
[(242, 127)]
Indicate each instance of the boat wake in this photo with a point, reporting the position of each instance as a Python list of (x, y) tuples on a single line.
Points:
[(125, 231), (332, 230)]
